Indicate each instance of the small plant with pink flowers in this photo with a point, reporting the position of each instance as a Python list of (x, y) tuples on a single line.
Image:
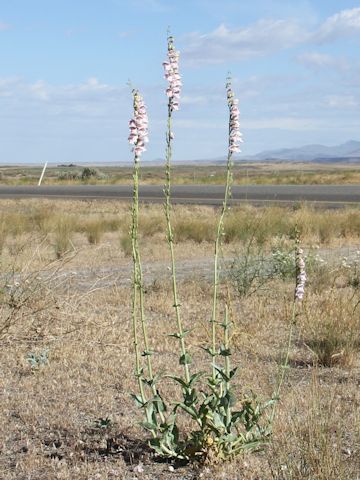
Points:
[(223, 426)]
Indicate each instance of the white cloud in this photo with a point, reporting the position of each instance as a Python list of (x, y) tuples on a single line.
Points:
[(318, 60), (286, 123), (90, 97), (342, 24), (224, 44), (266, 36), (341, 101)]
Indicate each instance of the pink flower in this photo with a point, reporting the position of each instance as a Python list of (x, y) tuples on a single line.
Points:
[(172, 75), (300, 274), (235, 136), (138, 125)]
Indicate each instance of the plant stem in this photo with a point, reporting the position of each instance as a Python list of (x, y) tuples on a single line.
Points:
[(139, 286), (170, 239), (134, 229), (227, 362), (284, 364), (218, 243)]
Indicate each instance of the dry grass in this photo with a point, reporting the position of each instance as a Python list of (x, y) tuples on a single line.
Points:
[(281, 173), (67, 360)]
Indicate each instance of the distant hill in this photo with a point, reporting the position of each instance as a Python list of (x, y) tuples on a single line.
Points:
[(344, 152)]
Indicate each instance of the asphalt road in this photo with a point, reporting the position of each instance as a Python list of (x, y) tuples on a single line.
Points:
[(331, 195)]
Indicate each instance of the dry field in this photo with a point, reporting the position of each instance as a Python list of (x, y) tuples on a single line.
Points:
[(258, 173), (66, 348)]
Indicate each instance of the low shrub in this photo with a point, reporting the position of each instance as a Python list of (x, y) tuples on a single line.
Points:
[(331, 327)]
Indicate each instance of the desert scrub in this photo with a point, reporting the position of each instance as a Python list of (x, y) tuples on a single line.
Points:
[(330, 327)]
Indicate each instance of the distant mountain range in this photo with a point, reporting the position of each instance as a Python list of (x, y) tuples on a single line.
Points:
[(348, 151)]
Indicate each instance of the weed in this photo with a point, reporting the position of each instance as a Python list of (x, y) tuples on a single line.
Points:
[(38, 360)]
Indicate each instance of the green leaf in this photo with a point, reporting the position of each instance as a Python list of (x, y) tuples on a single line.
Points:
[(225, 352), (218, 420), (209, 351), (231, 437), (191, 411), (159, 404), (148, 426), (137, 400), (194, 377), (190, 397), (232, 398), (149, 408), (179, 335), (174, 335), (221, 372), (179, 380), (232, 372), (146, 353), (185, 359)]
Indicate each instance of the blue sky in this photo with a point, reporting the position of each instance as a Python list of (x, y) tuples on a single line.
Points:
[(65, 66)]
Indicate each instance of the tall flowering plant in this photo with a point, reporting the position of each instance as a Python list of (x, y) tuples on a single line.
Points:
[(148, 397), (299, 291), (234, 140), (219, 429), (173, 91)]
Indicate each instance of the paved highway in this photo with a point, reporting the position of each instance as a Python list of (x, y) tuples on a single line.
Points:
[(332, 195)]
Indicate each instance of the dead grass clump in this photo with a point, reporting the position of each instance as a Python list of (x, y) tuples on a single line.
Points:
[(312, 438), (193, 229), (150, 224), (326, 226), (248, 223), (3, 233), (94, 230), (125, 244), (41, 218), (350, 225), (112, 223), (64, 227), (331, 327)]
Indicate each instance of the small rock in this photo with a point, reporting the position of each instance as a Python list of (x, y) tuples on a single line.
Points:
[(139, 468)]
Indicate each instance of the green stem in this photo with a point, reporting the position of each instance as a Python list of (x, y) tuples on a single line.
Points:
[(138, 280), (134, 307), (285, 363), (218, 243), (227, 361), (170, 239)]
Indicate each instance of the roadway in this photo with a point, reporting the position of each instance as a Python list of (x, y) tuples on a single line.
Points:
[(327, 195)]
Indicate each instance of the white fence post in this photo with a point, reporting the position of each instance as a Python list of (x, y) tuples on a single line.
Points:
[(42, 174)]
